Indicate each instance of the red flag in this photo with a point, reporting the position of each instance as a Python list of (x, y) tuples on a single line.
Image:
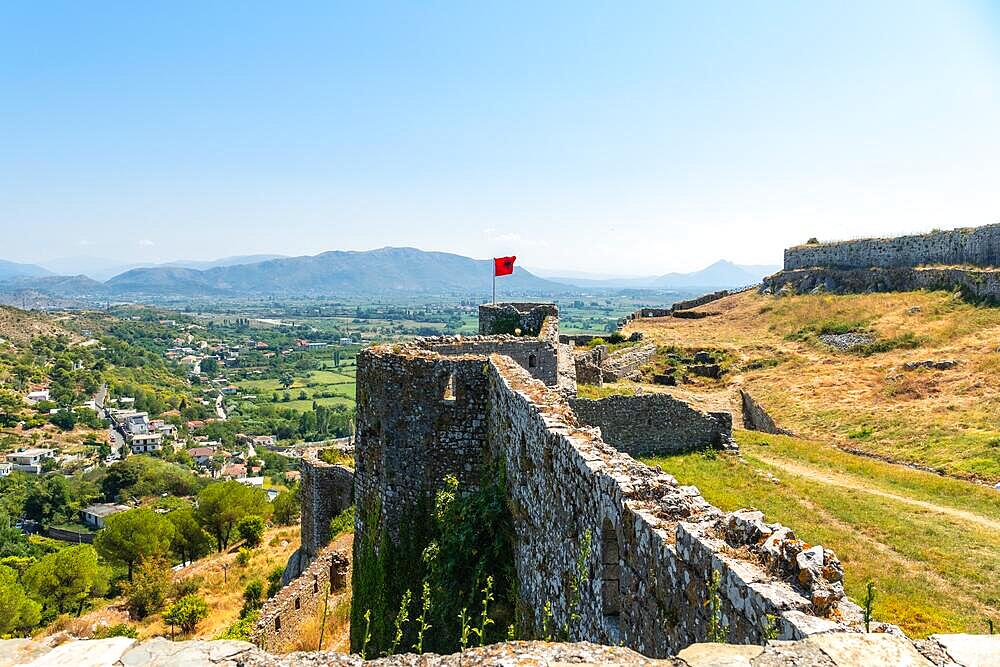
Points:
[(503, 266)]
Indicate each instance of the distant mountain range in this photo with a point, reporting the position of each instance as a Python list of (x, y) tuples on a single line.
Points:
[(384, 272), (102, 269), (722, 274)]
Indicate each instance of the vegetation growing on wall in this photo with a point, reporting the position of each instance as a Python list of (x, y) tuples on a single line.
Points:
[(459, 547)]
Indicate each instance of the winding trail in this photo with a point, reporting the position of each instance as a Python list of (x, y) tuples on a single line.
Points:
[(854, 483)]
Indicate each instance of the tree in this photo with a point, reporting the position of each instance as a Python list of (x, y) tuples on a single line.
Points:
[(18, 613), (190, 540), (64, 419), (67, 578), (11, 407), (121, 476), (223, 504), (210, 365), (48, 500), (148, 590), (286, 508), (251, 530), (187, 612), (286, 379), (130, 537)]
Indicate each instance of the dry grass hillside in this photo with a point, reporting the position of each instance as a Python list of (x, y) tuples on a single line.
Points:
[(20, 326), (222, 583), (866, 400)]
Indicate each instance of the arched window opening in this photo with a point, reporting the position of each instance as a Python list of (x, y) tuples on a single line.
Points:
[(532, 361)]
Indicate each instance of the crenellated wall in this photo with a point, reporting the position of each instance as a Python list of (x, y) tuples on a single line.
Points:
[(654, 543), (971, 246)]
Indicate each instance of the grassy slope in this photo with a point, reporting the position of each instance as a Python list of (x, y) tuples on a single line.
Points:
[(930, 544), (946, 420)]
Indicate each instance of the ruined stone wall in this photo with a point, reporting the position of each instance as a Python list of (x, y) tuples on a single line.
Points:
[(624, 364), (975, 246), (977, 285), (326, 490), (755, 417), (501, 318), (655, 544), (651, 424), (300, 600)]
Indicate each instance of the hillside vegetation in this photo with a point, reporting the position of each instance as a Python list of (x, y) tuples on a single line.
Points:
[(863, 399)]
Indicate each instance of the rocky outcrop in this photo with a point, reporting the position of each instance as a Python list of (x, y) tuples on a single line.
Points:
[(837, 650)]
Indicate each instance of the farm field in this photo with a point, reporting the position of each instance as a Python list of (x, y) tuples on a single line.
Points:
[(929, 543), (325, 387)]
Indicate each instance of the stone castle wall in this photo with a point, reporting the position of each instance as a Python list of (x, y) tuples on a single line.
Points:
[(755, 417), (977, 285), (501, 318), (654, 424), (976, 246), (655, 544), (326, 490), (420, 417), (301, 599)]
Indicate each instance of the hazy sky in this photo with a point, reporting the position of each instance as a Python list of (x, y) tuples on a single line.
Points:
[(626, 137)]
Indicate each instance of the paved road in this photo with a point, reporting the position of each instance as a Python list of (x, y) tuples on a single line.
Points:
[(219, 409)]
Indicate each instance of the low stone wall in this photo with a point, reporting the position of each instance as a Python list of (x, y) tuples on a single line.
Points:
[(76, 537), (755, 417), (837, 650), (651, 424), (300, 599), (624, 364), (978, 285), (973, 246), (326, 491)]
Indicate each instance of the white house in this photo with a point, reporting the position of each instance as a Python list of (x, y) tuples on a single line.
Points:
[(146, 442), (36, 396), (30, 460), (95, 515), (6, 468)]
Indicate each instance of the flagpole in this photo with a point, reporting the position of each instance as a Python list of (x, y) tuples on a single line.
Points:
[(494, 280)]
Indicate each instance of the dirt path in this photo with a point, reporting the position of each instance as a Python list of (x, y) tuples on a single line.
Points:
[(854, 483)]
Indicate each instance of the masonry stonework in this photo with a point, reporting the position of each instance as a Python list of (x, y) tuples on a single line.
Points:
[(301, 599), (326, 490), (654, 424), (658, 546), (972, 246)]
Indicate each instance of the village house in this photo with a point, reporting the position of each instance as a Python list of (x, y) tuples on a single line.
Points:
[(30, 460), (6, 468), (95, 515), (37, 396), (201, 455), (234, 471), (146, 442)]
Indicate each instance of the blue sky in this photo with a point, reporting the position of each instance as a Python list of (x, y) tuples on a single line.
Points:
[(638, 137)]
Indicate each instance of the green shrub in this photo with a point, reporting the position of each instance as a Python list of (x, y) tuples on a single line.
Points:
[(187, 612), (243, 556), (118, 630), (242, 630), (253, 597), (342, 523), (274, 580)]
